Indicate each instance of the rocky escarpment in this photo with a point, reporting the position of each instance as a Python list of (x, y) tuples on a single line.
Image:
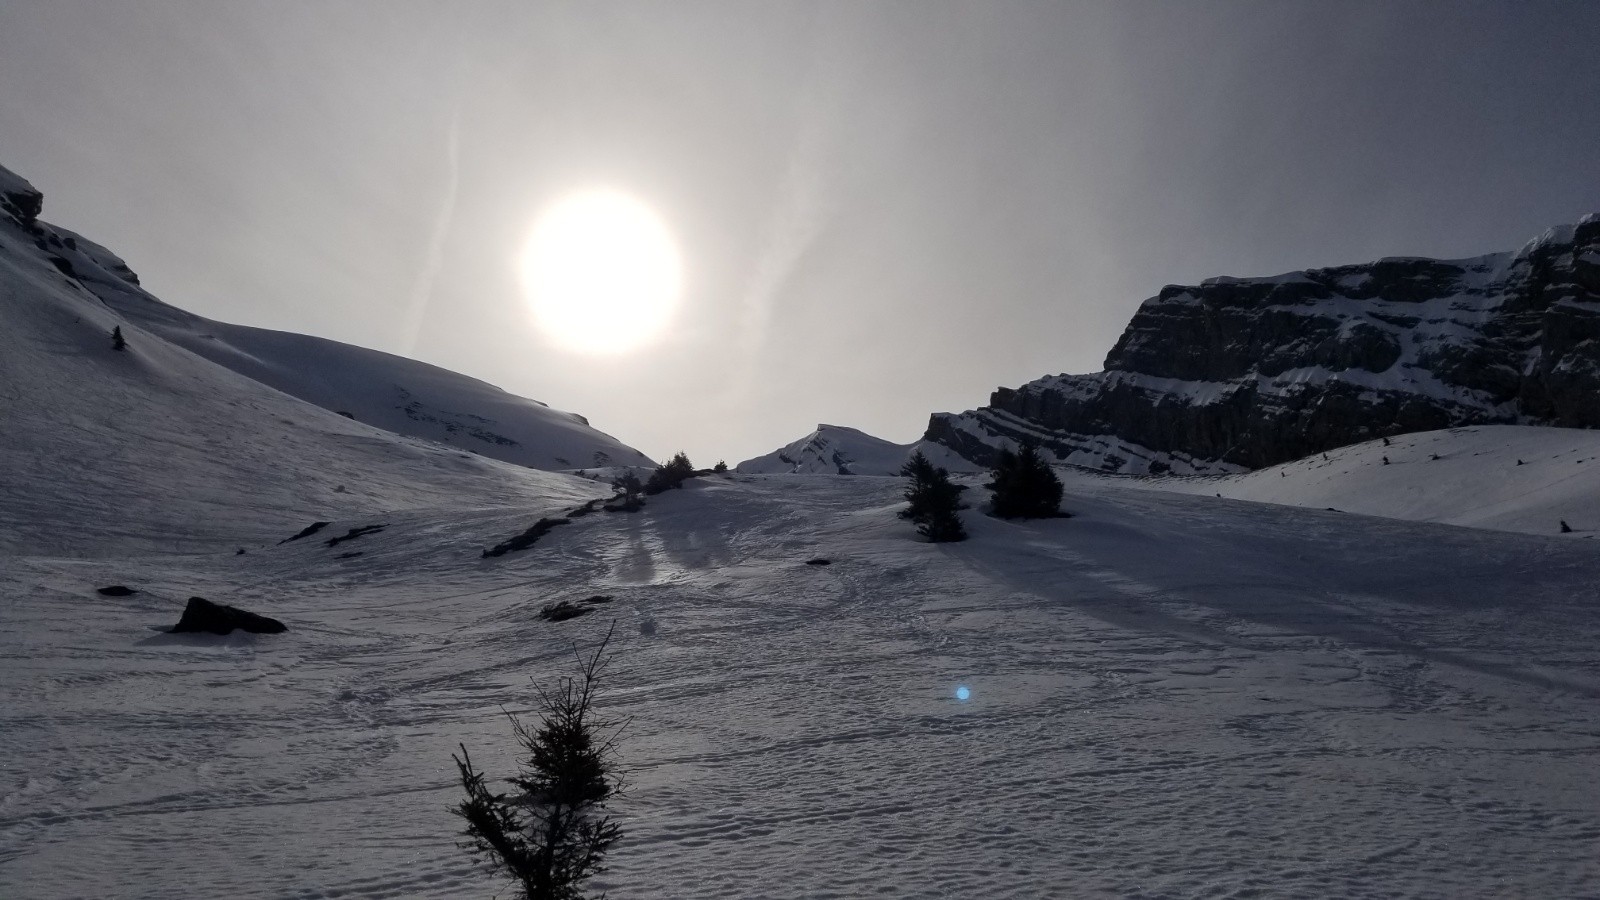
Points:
[(1238, 373)]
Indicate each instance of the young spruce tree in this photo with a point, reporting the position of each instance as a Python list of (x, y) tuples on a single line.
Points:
[(1024, 485), (934, 501), (555, 833), (672, 475)]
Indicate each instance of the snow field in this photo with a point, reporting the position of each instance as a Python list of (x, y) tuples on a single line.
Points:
[(1170, 696), (1506, 477)]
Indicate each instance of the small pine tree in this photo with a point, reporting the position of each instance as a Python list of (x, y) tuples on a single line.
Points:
[(117, 341), (672, 475), (721, 468), (933, 501), (1024, 486), (922, 473), (628, 490), (556, 833)]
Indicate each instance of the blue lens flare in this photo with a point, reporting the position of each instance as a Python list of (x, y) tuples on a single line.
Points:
[(962, 693)]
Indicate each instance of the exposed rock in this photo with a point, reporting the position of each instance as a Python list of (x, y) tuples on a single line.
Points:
[(1239, 374), (203, 615), (527, 538), (354, 533), (19, 199), (562, 611), (116, 590), (307, 531)]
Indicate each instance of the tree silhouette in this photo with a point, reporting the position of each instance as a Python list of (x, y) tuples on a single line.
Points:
[(1024, 486), (933, 501), (555, 834), (672, 475)]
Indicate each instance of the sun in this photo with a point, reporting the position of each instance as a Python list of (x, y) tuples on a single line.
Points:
[(601, 272)]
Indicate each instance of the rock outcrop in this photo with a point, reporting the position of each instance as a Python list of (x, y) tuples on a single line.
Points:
[(19, 199), (1241, 373), (201, 615)]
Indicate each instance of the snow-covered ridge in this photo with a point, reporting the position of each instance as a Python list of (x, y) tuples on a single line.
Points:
[(838, 450), (1248, 372), (390, 392), (163, 449)]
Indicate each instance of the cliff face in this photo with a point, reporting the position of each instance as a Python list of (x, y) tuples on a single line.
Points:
[(1243, 373)]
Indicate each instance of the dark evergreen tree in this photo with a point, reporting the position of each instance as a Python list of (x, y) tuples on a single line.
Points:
[(555, 833), (922, 473), (628, 491), (1024, 485), (117, 342), (672, 475), (933, 501), (720, 468)]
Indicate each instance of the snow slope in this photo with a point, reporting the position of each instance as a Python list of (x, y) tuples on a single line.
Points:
[(157, 449), (837, 450), (1170, 696), (390, 392), (1507, 477)]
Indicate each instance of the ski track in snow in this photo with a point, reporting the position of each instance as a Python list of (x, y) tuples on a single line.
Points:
[(1172, 696)]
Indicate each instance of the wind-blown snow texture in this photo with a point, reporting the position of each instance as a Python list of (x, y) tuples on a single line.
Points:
[(1170, 695), (1242, 373)]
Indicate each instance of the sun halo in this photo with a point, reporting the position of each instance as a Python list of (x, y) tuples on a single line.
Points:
[(601, 272)]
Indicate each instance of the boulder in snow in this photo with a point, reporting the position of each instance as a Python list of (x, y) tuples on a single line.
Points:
[(203, 615)]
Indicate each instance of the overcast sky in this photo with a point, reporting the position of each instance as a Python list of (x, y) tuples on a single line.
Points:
[(884, 209)]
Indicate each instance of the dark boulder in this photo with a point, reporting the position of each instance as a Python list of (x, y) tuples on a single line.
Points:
[(562, 611), (116, 590), (307, 531), (201, 615)]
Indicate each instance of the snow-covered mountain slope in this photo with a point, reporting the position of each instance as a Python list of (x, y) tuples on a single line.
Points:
[(1170, 695), (155, 448), (1242, 373), (1507, 477), (1166, 695), (391, 392), (837, 450)]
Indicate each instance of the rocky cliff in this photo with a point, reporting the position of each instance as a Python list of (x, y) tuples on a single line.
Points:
[(1240, 373)]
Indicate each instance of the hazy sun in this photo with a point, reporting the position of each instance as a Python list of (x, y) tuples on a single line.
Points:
[(601, 272)]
